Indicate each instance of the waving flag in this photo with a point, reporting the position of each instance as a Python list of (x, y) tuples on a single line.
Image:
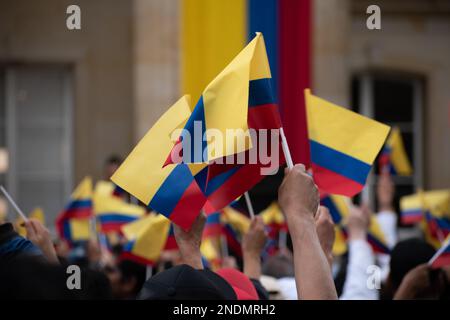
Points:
[(339, 210), (171, 242), (274, 220), (170, 190), (239, 221), (73, 224), (393, 158), (112, 212), (343, 145), (436, 223), (411, 210), (223, 181), (442, 257), (413, 207), (213, 225), (146, 238), (223, 106)]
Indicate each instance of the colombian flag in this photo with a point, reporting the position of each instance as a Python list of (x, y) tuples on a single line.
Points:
[(170, 190), (223, 106), (213, 225), (436, 223), (411, 209), (112, 212), (146, 239), (393, 158), (339, 210), (73, 224), (171, 243), (273, 218), (436, 202), (210, 253), (221, 181), (442, 256), (343, 145)]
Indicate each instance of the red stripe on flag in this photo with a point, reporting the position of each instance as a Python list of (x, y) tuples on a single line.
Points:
[(188, 207), (331, 182)]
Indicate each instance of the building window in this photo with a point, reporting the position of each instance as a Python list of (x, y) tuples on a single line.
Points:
[(36, 131), (396, 100)]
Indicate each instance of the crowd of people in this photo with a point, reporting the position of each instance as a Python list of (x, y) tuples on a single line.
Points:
[(35, 267)]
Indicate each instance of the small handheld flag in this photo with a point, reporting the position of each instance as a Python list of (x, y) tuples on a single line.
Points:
[(112, 212), (73, 223), (343, 146), (170, 190), (442, 257), (146, 238), (393, 158)]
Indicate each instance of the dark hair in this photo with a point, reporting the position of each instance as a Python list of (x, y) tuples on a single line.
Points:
[(407, 255), (130, 269)]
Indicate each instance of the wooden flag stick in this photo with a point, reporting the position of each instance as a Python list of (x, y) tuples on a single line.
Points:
[(249, 205), (14, 204)]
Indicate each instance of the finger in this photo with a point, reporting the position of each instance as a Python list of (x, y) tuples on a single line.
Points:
[(300, 167), (31, 234)]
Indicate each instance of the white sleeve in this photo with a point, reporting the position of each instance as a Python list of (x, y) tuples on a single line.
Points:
[(360, 258), (388, 224)]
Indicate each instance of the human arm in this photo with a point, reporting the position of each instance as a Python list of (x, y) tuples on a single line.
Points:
[(299, 200)]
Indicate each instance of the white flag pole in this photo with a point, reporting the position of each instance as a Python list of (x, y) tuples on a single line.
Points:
[(14, 204), (249, 205), (438, 253), (286, 152), (148, 272), (223, 246), (282, 239)]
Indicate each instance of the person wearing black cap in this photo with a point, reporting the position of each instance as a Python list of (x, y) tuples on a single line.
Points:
[(190, 280)]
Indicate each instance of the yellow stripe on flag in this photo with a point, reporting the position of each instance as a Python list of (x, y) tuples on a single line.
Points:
[(344, 130), (142, 172), (150, 235)]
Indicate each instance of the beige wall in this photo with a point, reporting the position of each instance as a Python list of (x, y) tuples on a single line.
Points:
[(415, 38), (156, 60), (101, 56), (416, 42)]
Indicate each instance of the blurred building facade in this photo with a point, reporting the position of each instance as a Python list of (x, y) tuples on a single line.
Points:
[(71, 98)]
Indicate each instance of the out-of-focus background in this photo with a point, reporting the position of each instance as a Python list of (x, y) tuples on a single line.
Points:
[(69, 99)]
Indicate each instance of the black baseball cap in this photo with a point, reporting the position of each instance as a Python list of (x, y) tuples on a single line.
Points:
[(186, 283)]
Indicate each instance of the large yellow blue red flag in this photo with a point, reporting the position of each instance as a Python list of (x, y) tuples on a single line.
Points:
[(223, 106), (146, 238), (393, 158), (343, 145), (111, 212), (73, 223), (170, 190)]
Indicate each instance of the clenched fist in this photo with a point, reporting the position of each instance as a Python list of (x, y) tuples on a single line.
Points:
[(298, 195)]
